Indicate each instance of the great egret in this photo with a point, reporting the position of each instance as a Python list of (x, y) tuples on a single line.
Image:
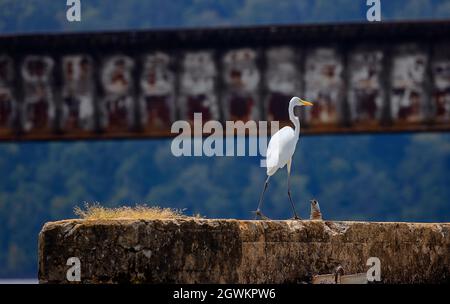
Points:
[(280, 150)]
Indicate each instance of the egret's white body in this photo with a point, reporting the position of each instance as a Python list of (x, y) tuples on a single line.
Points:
[(281, 149)]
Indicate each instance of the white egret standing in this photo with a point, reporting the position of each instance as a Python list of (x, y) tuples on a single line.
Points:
[(280, 151)]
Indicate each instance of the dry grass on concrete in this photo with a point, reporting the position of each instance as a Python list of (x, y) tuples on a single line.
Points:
[(98, 212)]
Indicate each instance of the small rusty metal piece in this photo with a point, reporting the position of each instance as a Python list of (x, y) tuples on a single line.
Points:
[(338, 273), (339, 277), (315, 210)]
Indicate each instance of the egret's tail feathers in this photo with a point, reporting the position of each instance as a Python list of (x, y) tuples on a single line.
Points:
[(271, 170)]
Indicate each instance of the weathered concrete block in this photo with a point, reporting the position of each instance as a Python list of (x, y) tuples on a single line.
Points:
[(232, 251)]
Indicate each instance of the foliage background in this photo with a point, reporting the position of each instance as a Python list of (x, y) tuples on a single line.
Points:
[(381, 177)]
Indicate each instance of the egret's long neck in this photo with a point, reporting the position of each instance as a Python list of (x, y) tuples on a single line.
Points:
[(294, 119)]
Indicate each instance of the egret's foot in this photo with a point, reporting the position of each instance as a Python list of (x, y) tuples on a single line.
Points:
[(260, 215), (296, 218)]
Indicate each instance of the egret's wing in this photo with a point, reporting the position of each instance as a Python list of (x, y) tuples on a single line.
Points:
[(272, 155)]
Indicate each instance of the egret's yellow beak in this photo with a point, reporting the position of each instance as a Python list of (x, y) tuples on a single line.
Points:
[(306, 103)]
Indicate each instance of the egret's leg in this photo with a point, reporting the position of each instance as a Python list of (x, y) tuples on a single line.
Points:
[(261, 199), (289, 189)]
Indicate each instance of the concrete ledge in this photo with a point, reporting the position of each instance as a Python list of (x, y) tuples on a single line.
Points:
[(232, 251)]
